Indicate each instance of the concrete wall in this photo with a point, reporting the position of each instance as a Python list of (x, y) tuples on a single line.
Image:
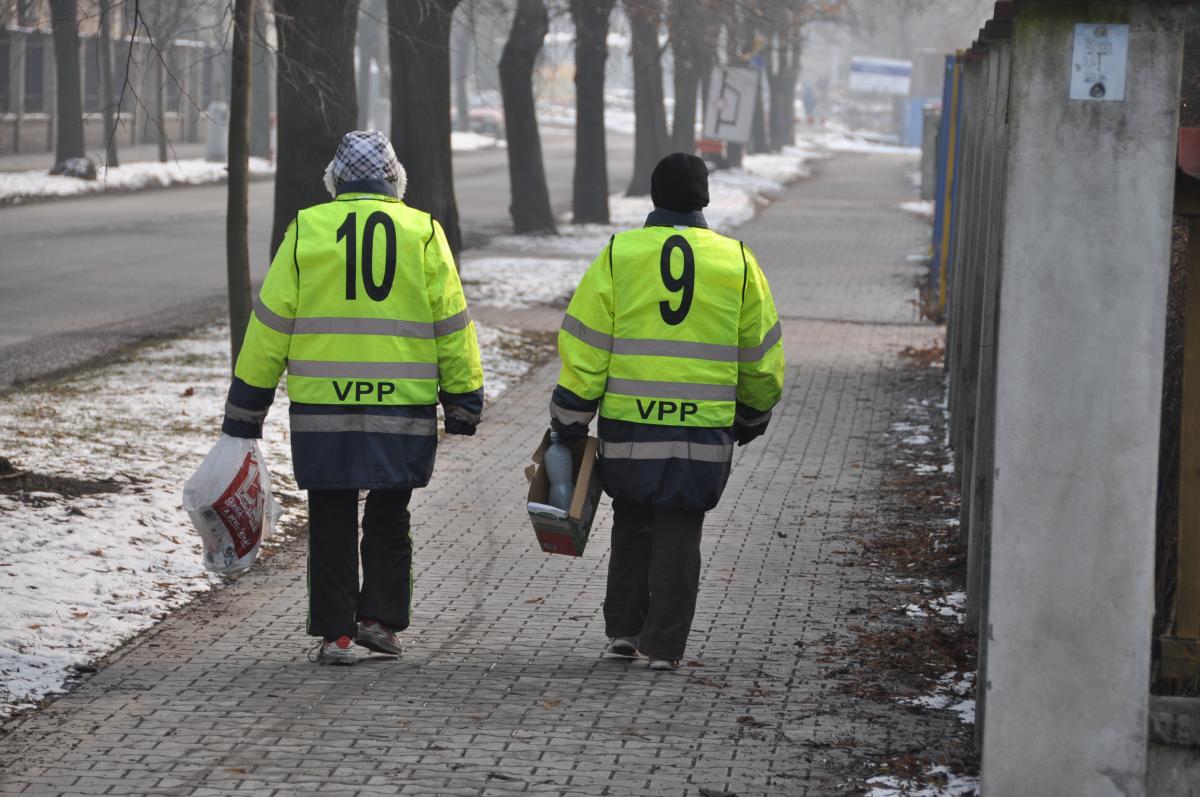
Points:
[(1174, 747), (1079, 359)]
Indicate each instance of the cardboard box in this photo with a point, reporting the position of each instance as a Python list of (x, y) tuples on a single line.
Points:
[(558, 531)]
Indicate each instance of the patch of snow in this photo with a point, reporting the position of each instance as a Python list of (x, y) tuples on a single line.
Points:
[(918, 207), (518, 282), (465, 141), (36, 184), (955, 785), (917, 440)]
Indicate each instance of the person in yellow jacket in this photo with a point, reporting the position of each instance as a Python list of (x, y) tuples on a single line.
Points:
[(363, 307), (673, 337)]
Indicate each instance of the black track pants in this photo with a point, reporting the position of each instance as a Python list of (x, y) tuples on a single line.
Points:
[(653, 577), (335, 602)]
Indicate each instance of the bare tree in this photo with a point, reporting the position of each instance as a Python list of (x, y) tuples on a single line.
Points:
[(650, 142), (260, 93), (370, 51), (107, 101), (419, 43), (694, 33), (464, 42), (530, 207), (69, 93), (783, 70), (237, 216), (590, 188), (166, 19), (316, 99)]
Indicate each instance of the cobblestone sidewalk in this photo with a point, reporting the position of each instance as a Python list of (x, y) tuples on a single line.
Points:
[(502, 690)]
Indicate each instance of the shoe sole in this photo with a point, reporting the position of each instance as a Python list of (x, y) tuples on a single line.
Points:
[(613, 654), (331, 661)]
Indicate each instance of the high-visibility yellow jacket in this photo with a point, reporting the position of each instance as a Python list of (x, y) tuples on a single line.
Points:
[(672, 335), (363, 307)]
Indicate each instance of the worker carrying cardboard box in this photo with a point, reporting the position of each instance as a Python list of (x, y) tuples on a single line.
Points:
[(672, 335)]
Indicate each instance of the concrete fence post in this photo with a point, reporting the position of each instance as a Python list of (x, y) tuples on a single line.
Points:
[(1084, 258)]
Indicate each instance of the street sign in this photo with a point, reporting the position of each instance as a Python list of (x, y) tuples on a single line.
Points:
[(730, 104), (880, 75), (1098, 66)]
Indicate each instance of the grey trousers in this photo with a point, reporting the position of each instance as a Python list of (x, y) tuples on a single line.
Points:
[(653, 577)]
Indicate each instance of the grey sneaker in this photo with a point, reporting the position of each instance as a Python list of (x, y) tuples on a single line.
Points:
[(336, 651), (623, 646), (663, 664), (378, 638)]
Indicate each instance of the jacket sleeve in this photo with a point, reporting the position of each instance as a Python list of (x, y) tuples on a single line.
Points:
[(584, 346), (264, 352), (760, 351), (460, 369)]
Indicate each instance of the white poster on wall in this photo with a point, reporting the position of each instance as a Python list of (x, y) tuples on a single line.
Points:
[(730, 104), (1099, 62)]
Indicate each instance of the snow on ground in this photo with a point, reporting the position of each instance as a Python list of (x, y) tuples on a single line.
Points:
[(464, 141), (80, 575), (919, 207), (837, 138), (952, 785), (16, 187), (517, 282)]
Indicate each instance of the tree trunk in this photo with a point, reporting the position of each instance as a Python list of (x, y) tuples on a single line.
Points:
[(237, 216), (260, 81), (463, 42), (758, 130), (107, 100), (68, 91), (419, 44), (530, 208), (693, 42), (316, 99), (589, 201), (160, 100), (734, 32), (650, 141), (368, 52)]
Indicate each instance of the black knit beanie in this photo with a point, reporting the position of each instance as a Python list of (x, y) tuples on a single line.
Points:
[(680, 182)]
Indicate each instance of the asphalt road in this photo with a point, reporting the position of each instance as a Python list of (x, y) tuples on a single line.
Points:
[(82, 279)]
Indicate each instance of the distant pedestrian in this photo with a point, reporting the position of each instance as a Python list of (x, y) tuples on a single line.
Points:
[(363, 307), (672, 336)]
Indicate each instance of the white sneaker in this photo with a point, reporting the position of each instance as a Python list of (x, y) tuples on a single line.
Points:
[(336, 651), (379, 638), (623, 646), (663, 664)]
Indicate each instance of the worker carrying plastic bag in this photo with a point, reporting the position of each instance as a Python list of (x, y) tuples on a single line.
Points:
[(229, 501)]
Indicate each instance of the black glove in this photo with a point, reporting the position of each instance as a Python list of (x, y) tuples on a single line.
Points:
[(455, 426), (745, 434)]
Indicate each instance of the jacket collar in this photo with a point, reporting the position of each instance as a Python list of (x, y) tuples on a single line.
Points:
[(367, 187), (661, 217)]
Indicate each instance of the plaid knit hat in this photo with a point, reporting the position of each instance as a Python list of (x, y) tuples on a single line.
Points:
[(365, 155)]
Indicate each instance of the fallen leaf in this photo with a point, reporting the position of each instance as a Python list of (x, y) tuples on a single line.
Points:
[(98, 552), (79, 615), (749, 721), (550, 703), (35, 626), (536, 600), (191, 391), (236, 770)]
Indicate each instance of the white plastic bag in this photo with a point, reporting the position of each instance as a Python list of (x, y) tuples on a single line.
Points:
[(229, 501)]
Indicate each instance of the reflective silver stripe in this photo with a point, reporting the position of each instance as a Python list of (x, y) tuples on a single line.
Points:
[(672, 390), (459, 414), (363, 326), (371, 424), (668, 449), (272, 320), (340, 370), (452, 324), (564, 415), (591, 337), (235, 413), (755, 353), (677, 348), (759, 421)]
